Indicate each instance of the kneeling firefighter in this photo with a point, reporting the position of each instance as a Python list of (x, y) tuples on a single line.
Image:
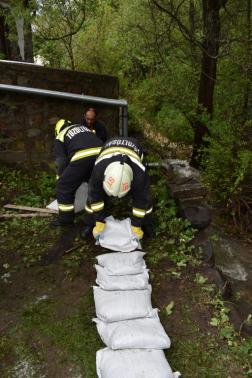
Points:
[(119, 170), (75, 148)]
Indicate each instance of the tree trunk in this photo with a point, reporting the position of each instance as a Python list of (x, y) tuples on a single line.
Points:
[(211, 21), (248, 55), (192, 29)]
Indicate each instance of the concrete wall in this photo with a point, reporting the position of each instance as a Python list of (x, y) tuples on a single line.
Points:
[(37, 115)]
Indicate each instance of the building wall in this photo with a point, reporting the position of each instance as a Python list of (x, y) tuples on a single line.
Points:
[(22, 48), (37, 115)]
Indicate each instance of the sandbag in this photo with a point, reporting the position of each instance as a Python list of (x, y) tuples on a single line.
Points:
[(118, 236), (119, 264), (81, 197), (114, 306), (53, 206), (132, 363), (79, 200), (146, 333), (127, 282)]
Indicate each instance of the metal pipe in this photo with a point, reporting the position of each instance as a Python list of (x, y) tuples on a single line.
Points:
[(20, 62), (163, 165), (29, 160), (74, 97), (125, 121)]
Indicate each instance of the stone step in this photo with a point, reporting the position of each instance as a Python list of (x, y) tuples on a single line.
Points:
[(186, 187)]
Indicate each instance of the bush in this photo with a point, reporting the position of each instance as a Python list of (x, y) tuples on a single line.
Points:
[(228, 161)]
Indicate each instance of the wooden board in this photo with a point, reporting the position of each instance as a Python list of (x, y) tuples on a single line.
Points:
[(14, 207), (25, 215), (62, 244)]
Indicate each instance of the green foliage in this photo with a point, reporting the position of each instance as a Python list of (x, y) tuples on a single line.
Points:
[(174, 233), (169, 308), (200, 279), (165, 208), (228, 161), (166, 109), (11, 179), (46, 184)]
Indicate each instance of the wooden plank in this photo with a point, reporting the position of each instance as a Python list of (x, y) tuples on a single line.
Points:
[(14, 207), (71, 249), (25, 215), (54, 254)]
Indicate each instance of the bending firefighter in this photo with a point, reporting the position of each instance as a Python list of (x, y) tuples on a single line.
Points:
[(119, 170), (75, 148)]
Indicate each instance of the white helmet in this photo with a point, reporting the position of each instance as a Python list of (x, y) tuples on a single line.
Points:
[(117, 179)]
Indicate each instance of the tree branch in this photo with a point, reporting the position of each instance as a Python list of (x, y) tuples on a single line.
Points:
[(71, 33)]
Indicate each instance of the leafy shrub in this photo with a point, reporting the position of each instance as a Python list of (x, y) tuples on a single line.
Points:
[(228, 161)]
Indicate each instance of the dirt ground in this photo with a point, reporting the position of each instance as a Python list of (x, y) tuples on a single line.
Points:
[(46, 328), (38, 295)]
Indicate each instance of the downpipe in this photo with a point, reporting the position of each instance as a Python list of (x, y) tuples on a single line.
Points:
[(74, 97), (157, 165)]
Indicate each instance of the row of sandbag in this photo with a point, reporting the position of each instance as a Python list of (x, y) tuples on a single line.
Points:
[(126, 321)]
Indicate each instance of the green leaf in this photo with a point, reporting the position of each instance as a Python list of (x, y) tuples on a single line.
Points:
[(226, 332), (6, 266), (169, 308), (12, 330), (200, 279), (171, 241), (163, 225), (214, 237), (176, 274), (181, 263), (225, 318), (214, 322)]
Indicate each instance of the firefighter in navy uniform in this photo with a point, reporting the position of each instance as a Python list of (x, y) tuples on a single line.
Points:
[(119, 170), (75, 148), (91, 122)]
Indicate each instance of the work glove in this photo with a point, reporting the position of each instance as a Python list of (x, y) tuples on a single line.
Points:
[(138, 231), (99, 227)]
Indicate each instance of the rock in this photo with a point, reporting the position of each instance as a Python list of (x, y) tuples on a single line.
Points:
[(234, 317), (3, 135), (33, 133), (186, 187), (170, 172), (243, 305), (182, 202), (203, 241), (198, 216), (214, 277)]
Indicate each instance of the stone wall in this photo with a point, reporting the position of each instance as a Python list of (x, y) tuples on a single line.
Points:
[(37, 115)]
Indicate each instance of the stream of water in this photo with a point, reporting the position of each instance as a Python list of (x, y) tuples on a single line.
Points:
[(232, 256)]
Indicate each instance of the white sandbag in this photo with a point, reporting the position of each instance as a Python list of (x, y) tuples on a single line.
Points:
[(132, 363), (119, 264), (146, 333), (127, 282), (53, 205), (118, 236), (81, 197), (113, 306), (79, 200)]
